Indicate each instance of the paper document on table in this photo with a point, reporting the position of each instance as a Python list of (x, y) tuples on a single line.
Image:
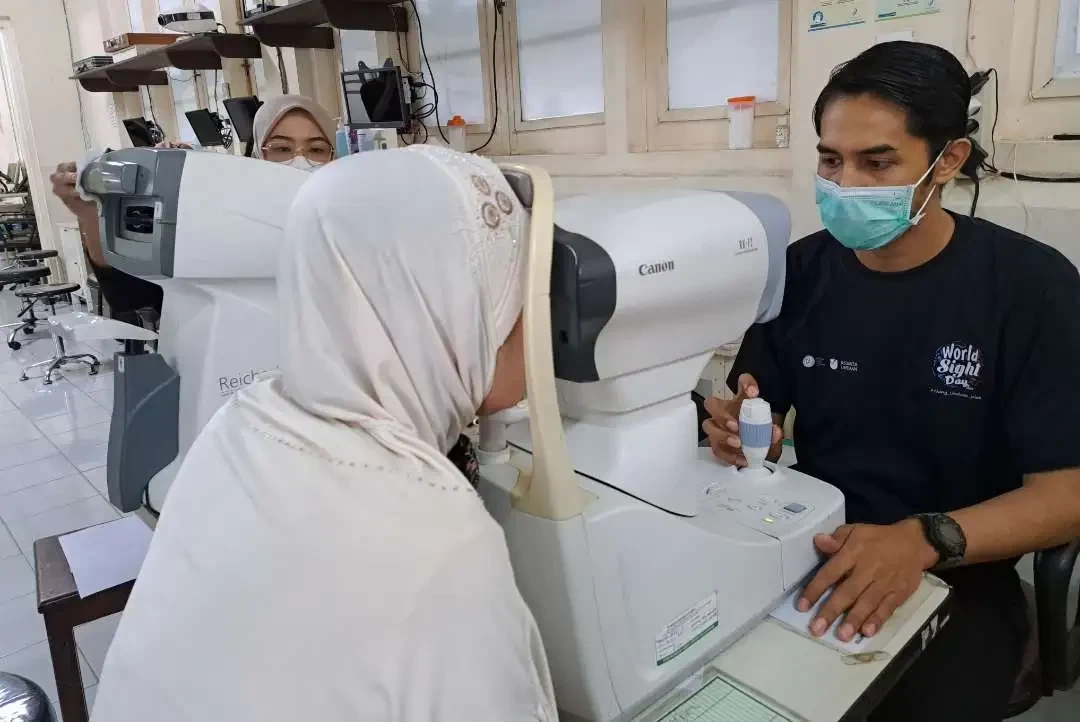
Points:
[(718, 701), (787, 614), (107, 555)]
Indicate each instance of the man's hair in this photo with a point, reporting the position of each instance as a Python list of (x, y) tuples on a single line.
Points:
[(927, 82)]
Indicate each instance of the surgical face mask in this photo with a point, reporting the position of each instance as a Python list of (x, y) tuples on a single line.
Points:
[(302, 163), (868, 218)]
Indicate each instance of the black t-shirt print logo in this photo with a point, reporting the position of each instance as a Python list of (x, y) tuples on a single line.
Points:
[(958, 368)]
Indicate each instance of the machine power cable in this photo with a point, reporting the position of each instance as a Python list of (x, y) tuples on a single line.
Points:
[(499, 5)]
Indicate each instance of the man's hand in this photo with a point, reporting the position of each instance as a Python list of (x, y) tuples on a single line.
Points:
[(63, 186), (723, 428), (168, 144), (874, 570)]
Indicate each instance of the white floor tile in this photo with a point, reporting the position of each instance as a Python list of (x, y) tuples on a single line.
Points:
[(81, 378), (24, 452), (36, 472), (86, 448), (25, 356), (43, 497), (8, 547), (35, 664), (1062, 707), (20, 624), (98, 480), (16, 579), (94, 640), (61, 520), (81, 417), (94, 433), (16, 428), (38, 401), (103, 398)]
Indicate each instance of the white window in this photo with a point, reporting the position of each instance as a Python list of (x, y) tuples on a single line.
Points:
[(719, 49), (1057, 50), (451, 34), (560, 58), (135, 16), (185, 97), (699, 53), (1067, 55), (359, 46)]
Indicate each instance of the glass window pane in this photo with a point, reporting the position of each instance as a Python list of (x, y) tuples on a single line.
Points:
[(359, 46), (182, 85), (452, 37), (560, 58), (719, 49), (1067, 57), (135, 15)]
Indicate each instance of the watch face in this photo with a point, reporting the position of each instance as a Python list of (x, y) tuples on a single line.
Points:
[(950, 535)]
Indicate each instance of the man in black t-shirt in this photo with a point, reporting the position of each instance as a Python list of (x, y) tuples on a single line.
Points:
[(934, 364)]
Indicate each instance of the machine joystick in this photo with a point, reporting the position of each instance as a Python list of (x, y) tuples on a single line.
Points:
[(755, 432)]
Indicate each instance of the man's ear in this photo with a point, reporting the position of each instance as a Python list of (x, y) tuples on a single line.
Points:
[(952, 160)]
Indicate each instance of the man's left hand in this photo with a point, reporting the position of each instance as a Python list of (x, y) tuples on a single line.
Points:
[(873, 570)]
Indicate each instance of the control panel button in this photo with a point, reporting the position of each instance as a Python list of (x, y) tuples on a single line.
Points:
[(795, 508), (769, 520)]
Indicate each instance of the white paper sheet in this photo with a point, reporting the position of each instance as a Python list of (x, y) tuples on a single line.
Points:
[(107, 555), (787, 614)]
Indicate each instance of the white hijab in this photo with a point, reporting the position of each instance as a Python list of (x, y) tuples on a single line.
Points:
[(400, 280)]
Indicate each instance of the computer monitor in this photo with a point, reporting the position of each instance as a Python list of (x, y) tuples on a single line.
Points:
[(375, 98), (138, 129), (242, 114), (207, 127)]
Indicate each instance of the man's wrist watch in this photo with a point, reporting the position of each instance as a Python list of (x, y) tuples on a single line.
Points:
[(946, 536)]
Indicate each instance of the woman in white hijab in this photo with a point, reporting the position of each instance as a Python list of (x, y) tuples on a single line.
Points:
[(318, 557), (293, 130)]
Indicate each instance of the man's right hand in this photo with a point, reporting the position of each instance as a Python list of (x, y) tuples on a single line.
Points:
[(723, 428), (63, 186)]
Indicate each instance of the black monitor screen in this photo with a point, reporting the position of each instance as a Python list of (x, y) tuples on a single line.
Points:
[(139, 132), (206, 127), (374, 99), (242, 114)]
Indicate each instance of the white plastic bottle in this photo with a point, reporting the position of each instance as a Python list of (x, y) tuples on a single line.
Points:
[(455, 130)]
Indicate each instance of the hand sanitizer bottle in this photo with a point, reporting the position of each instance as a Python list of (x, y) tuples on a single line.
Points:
[(341, 139)]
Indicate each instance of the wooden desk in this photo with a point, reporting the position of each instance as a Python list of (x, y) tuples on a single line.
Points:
[(63, 610)]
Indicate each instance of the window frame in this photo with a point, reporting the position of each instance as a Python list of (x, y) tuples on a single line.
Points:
[(1044, 84), (475, 133), (571, 134), (705, 128)]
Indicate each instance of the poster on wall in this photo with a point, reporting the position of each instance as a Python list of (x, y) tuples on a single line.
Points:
[(825, 14), (893, 9)]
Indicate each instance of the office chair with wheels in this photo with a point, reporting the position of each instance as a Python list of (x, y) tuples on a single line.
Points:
[(1052, 661)]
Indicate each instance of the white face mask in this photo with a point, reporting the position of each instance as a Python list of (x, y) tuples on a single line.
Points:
[(301, 162)]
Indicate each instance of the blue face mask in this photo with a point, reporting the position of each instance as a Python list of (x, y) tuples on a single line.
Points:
[(865, 219)]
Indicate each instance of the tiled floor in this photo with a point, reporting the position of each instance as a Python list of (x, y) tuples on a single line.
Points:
[(52, 480)]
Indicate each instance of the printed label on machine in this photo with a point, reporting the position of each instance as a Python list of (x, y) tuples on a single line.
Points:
[(691, 625)]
